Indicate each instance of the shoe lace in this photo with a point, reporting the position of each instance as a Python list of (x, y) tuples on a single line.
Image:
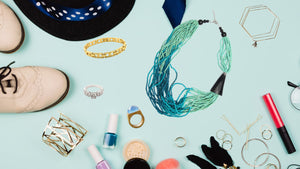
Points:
[(6, 70)]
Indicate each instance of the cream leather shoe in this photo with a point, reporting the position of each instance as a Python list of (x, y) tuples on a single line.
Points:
[(31, 88), (11, 30)]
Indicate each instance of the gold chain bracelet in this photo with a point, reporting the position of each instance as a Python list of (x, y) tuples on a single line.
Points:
[(106, 54)]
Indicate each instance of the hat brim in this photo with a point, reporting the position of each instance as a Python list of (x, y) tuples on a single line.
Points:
[(78, 30)]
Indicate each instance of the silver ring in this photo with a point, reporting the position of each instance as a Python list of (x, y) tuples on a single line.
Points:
[(178, 141), (93, 95), (228, 142), (231, 138), (218, 134), (264, 136)]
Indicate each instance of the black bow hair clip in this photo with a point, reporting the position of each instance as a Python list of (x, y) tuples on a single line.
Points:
[(216, 154)]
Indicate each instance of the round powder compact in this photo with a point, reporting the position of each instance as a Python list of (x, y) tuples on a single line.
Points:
[(136, 163), (136, 149), (168, 164)]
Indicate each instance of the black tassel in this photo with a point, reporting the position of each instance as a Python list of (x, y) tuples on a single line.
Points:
[(200, 162), (219, 85), (217, 154)]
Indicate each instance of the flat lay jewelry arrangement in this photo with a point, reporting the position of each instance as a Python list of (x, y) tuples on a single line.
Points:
[(27, 89)]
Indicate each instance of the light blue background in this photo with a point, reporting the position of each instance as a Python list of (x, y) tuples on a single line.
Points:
[(255, 71)]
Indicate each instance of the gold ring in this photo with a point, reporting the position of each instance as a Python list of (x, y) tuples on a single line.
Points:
[(223, 136), (134, 110), (180, 142), (264, 135), (106, 54), (230, 143)]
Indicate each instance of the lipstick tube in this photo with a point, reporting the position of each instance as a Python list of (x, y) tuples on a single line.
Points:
[(279, 123)]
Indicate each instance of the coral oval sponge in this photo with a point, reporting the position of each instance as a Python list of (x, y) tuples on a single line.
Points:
[(168, 164)]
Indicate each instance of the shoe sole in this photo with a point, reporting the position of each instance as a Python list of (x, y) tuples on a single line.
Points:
[(22, 38), (62, 97)]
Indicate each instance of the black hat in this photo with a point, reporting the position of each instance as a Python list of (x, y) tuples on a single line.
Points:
[(76, 19)]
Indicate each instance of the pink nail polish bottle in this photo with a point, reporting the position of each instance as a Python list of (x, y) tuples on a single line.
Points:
[(101, 163)]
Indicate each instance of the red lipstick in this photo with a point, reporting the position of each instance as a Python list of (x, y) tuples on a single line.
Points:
[(279, 123)]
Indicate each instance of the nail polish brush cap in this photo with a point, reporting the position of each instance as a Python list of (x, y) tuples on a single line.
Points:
[(113, 123), (95, 154)]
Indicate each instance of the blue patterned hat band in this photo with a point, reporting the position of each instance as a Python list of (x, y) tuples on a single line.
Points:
[(63, 13)]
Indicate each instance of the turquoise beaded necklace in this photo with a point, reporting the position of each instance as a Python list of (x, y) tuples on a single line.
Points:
[(159, 87)]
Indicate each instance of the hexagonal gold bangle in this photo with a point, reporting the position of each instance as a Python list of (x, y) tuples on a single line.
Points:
[(271, 34), (106, 54)]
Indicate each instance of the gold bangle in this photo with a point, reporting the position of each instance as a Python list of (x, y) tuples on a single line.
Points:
[(106, 54), (271, 165)]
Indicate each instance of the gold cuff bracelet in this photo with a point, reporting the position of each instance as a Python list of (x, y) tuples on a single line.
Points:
[(63, 135)]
